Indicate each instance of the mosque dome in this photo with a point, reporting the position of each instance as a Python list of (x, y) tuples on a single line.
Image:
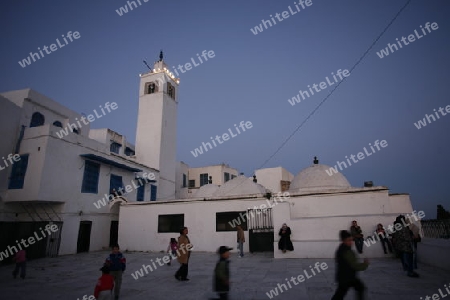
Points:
[(238, 186), (317, 178), (206, 191)]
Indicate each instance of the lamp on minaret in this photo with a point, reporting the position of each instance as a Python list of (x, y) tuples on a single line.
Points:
[(210, 180), (316, 161), (254, 179)]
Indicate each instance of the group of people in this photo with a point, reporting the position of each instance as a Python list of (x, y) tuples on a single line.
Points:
[(404, 242)]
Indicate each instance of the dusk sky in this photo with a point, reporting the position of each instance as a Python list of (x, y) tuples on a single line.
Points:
[(251, 77)]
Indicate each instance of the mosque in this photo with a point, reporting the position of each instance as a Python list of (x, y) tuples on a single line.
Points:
[(95, 186)]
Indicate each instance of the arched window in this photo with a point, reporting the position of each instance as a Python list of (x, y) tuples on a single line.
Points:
[(37, 119), (57, 124), (151, 88)]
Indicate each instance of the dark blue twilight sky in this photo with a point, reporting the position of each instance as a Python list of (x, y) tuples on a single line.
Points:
[(252, 77)]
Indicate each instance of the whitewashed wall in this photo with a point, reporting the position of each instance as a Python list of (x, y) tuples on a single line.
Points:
[(138, 224), (316, 220)]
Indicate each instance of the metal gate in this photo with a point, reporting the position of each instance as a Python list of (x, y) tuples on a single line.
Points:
[(45, 246), (260, 227), (54, 240)]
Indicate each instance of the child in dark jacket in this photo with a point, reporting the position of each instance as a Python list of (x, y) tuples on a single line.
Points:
[(116, 263), (105, 284), (222, 273), (347, 266)]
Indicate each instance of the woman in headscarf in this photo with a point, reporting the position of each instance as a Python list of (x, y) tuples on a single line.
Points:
[(285, 239)]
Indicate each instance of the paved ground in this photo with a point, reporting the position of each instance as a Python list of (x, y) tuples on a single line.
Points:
[(73, 276)]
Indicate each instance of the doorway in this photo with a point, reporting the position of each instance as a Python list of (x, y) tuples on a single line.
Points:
[(84, 236)]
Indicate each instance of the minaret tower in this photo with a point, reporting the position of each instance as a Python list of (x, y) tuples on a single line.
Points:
[(156, 132)]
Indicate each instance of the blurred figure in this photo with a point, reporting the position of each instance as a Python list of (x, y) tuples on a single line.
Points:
[(222, 273), (347, 266)]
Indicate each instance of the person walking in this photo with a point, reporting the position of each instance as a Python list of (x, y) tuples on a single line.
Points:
[(384, 238), (416, 238), (403, 244), (240, 240), (116, 263), (285, 239), (21, 264), (222, 273), (357, 235), (184, 255), (347, 266)]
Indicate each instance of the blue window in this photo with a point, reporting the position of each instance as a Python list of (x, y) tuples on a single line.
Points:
[(226, 176), (203, 179), (90, 177), (115, 147), (115, 183), (37, 119), (140, 190), (19, 169), (184, 180), (153, 189)]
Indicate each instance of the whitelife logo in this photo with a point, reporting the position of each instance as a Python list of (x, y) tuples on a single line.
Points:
[(411, 38), (90, 118), (225, 137), (27, 61)]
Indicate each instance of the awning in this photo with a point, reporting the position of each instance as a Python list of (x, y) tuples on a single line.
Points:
[(110, 162)]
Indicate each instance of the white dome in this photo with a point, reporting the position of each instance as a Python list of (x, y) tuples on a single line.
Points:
[(238, 186), (206, 191), (316, 178)]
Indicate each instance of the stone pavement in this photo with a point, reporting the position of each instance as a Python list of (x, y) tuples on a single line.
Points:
[(73, 276)]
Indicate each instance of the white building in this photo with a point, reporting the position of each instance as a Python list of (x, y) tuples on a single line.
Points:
[(68, 178), (66, 172), (318, 206)]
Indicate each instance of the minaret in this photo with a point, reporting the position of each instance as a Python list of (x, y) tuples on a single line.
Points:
[(156, 132)]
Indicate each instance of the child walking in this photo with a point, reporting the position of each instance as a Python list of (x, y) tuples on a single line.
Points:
[(222, 273), (105, 284), (116, 263), (21, 264), (347, 266), (172, 248)]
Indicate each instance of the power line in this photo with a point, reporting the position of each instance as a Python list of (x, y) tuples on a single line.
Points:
[(337, 85)]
